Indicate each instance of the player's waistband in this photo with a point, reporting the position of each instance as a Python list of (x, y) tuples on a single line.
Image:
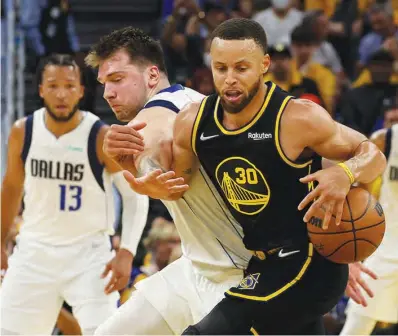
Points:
[(264, 254)]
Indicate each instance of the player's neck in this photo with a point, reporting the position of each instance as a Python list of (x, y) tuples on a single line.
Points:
[(163, 84), (238, 120), (60, 128)]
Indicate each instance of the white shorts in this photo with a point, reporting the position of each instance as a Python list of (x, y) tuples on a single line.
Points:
[(182, 295), (384, 305), (40, 277)]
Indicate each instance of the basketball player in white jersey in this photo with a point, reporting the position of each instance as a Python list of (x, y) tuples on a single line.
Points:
[(132, 70), (131, 67), (63, 252), (384, 262)]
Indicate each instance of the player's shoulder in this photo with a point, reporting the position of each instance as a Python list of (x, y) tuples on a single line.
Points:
[(189, 112), (304, 112), (18, 128)]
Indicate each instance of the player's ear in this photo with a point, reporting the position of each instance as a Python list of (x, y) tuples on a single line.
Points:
[(153, 76), (41, 91), (266, 63)]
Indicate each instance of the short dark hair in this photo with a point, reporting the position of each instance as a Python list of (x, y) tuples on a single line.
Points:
[(379, 8), (57, 60), (381, 56), (241, 29), (140, 46), (303, 34)]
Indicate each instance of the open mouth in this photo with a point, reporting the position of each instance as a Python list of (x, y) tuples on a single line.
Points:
[(232, 95)]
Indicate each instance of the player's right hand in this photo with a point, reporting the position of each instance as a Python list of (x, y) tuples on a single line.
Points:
[(157, 184), (121, 141), (355, 283)]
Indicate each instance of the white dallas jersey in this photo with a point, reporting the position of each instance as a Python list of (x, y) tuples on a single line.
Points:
[(389, 196), (209, 234), (65, 199)]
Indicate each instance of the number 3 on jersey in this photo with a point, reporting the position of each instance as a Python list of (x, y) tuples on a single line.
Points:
[(74, 195)]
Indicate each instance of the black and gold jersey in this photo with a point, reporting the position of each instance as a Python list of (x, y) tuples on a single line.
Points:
[(259, 184)]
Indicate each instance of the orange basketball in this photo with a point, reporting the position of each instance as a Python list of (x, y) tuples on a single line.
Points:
[(360, 232)]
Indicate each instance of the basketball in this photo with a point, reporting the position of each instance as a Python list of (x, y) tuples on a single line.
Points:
[(360, 232)]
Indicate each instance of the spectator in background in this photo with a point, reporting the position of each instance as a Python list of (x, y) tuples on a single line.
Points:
[(303, 47), (174, 41), (243, 9), (160, 242), (363, 107), (279, 21), (385, 34), (326, 6), (202, 81), (197, 32), (324, 53), (49, 26), (283, 73)]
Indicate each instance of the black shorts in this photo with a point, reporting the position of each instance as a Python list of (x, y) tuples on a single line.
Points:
[(287, 293)]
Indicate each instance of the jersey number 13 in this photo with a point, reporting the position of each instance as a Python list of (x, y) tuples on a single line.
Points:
[(71, 197)]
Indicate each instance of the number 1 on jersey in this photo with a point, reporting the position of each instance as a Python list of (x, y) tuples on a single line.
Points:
[(75, 192)]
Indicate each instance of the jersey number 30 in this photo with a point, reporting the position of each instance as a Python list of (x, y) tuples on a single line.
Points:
[(74, 195)]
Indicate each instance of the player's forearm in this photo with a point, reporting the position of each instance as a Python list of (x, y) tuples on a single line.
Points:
[(155, 158), (126, 162), (10, 204), (134, 216), (367, 163)]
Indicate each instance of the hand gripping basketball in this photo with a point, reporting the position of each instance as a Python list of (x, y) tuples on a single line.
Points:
[(333, 186)]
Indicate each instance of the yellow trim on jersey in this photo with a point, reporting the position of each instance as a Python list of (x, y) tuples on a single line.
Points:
[(285, 287), (251, 123), (277, 142), (196, 124), (253, 331)]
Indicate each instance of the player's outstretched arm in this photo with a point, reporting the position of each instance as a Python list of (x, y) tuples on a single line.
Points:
[(361, 160), (169, 181), (144, 168), (13, 184), (134, 217)]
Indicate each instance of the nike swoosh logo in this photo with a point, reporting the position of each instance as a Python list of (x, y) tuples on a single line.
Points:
[(283, 255), (204, 138)]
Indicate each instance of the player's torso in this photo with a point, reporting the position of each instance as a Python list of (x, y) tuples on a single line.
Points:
[(257, 182), (64, 196), (210, 236), (389, 194)]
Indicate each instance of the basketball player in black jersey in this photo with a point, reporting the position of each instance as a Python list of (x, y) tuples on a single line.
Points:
[(262, 151)]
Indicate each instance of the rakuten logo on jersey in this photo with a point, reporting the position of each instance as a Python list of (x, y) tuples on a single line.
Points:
[(259, 136)]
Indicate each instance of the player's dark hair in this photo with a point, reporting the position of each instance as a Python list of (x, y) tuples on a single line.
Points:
[(57, 60), (140, 46), (241, 29)]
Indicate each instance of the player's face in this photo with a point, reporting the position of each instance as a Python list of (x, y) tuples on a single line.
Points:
[(238, 67), (125, 87), (61, 90)]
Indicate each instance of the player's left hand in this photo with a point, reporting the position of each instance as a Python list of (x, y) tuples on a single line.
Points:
[(355, 281), (120, 266), (333, 186)]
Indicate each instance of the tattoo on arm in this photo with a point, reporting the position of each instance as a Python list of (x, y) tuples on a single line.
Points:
[(147, 165), (122, 158), (187, 171)]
